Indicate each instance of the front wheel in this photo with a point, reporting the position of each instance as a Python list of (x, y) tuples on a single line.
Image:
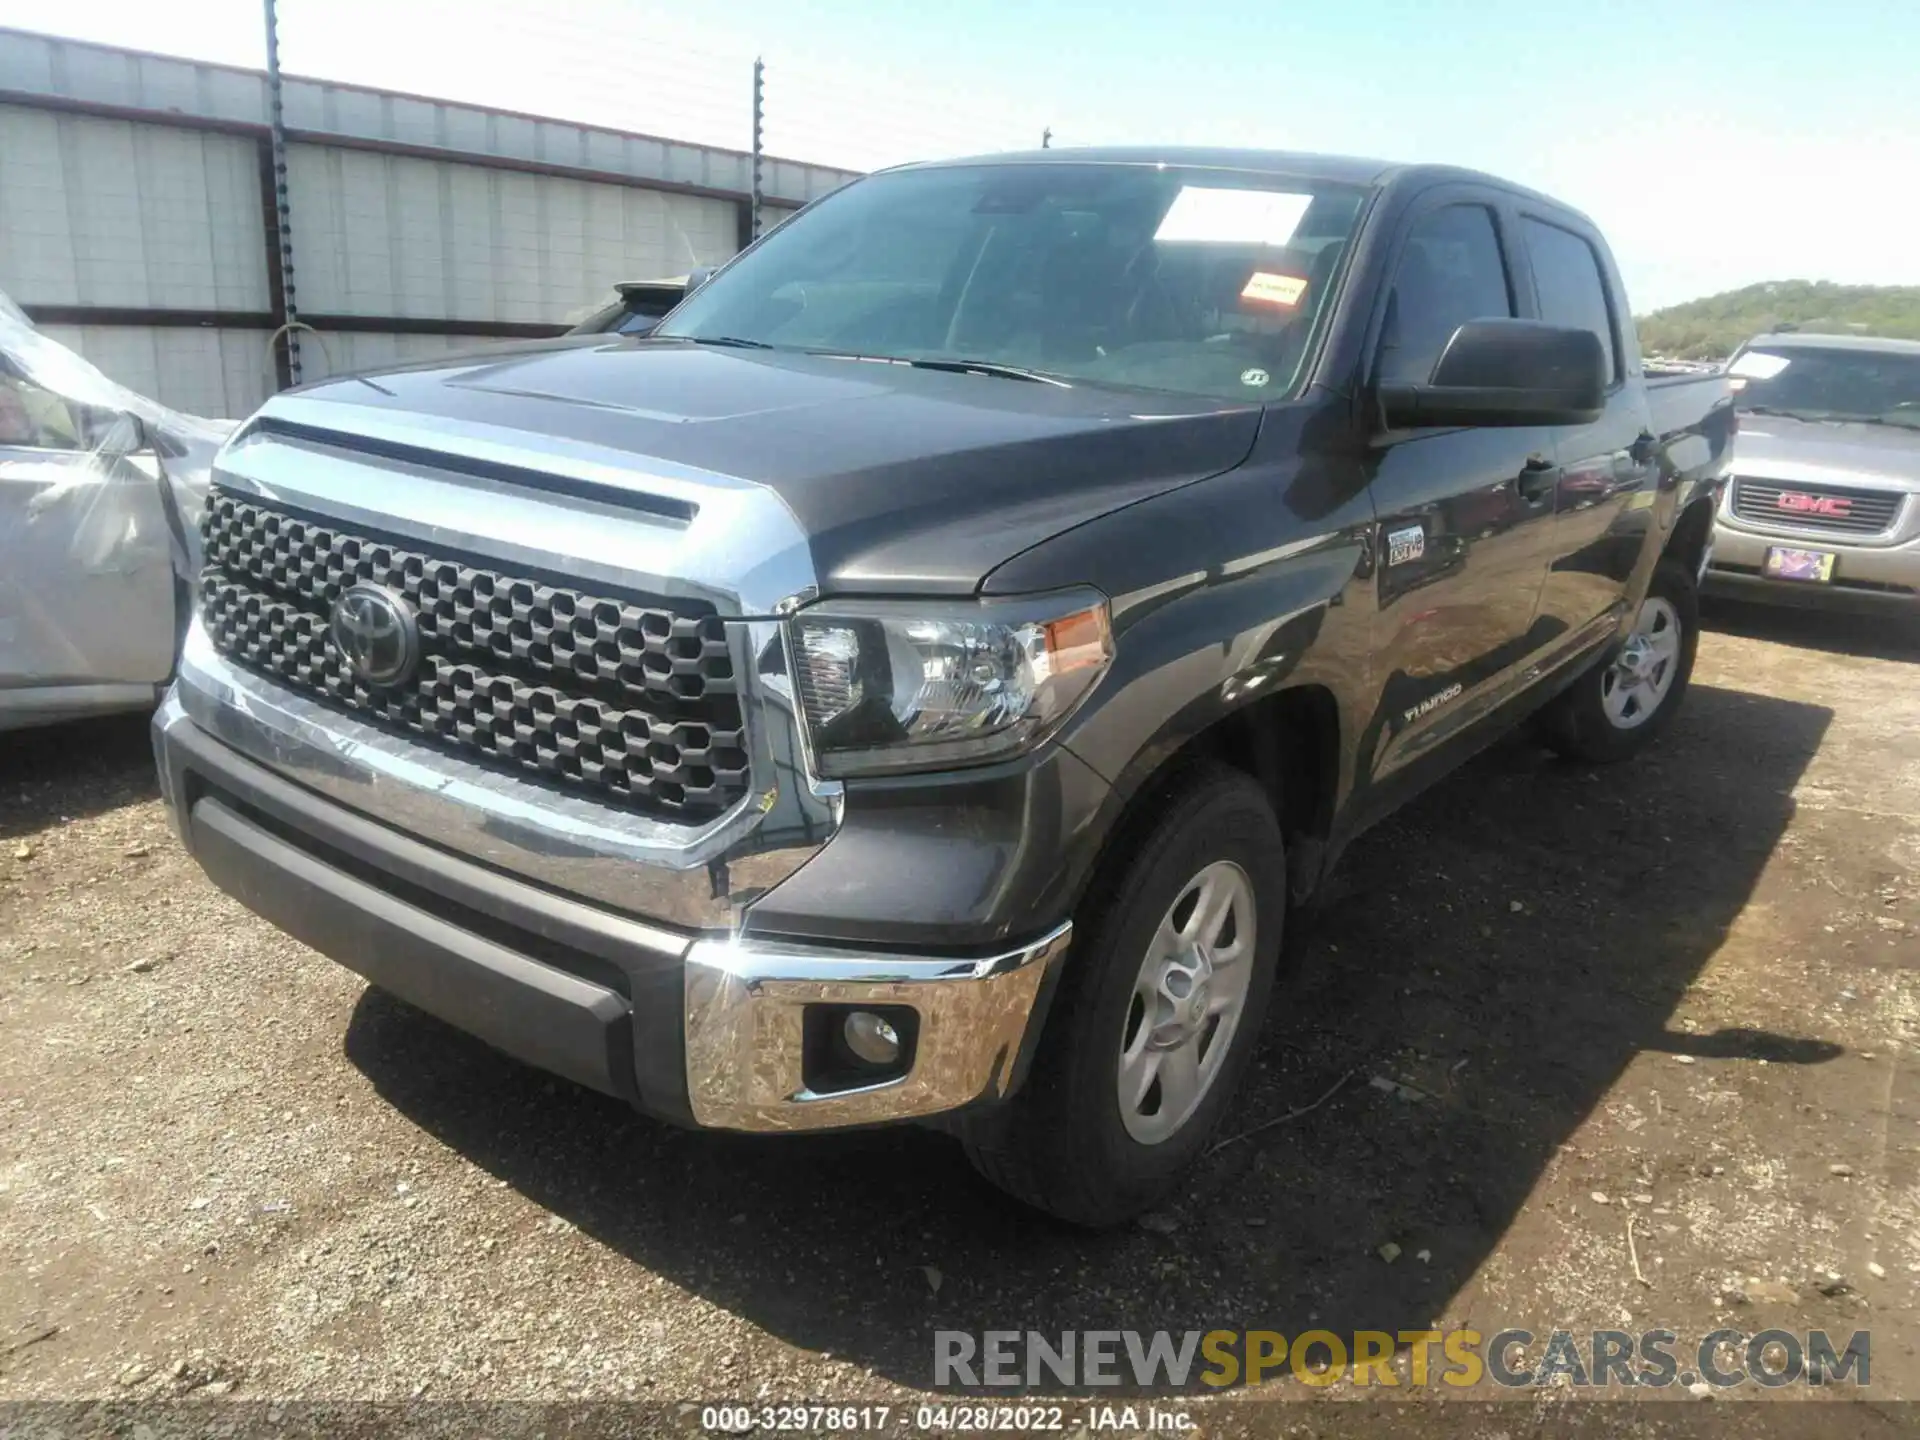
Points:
[(1158, 1014), (1615, 709)]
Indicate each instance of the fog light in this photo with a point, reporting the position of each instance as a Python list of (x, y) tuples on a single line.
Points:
[(871, 1038)]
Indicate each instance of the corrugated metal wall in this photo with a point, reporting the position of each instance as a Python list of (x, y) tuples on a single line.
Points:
[(393, 235), (340, 352), (202, 370), (72, 72), (108, 212), (134, 223)]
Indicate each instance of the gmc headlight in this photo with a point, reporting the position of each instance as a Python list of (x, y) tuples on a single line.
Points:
[(890, 686)]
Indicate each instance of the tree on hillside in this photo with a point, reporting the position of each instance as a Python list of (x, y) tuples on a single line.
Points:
[(1711, 328)]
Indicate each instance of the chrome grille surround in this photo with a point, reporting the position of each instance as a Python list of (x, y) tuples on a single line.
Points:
[(633, 700)]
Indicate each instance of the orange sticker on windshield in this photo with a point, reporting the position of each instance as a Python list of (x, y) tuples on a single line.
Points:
[(1274, 289)]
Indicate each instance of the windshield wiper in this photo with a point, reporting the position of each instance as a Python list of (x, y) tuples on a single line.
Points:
[(990, 367), (955, 367), (1894, 418), (733, 341), (1897, 419), (1812, 417)]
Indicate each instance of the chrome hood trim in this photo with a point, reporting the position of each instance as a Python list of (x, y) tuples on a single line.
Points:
[(617, 519)]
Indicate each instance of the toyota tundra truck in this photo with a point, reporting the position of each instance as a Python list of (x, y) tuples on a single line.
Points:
[(926, 679)]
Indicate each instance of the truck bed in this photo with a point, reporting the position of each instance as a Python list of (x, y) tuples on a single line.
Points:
[(1693, 418)]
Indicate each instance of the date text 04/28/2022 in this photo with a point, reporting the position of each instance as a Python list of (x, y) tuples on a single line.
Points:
[(962, 1418)]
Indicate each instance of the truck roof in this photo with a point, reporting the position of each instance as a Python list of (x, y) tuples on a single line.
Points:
[(1803, 340), (1294, 164), (1347, 169)]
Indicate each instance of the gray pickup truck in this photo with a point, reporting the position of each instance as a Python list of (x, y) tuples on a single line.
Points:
[(923, 679), (1824, 508)]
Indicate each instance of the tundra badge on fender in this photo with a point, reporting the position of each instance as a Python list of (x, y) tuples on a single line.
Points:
[(1433, 702)]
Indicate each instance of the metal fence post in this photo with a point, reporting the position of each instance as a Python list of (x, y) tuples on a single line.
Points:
[(283, 219), (759, 116)]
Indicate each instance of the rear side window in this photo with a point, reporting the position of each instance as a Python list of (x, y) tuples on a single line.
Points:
[(1450, 272), (1572, 289)]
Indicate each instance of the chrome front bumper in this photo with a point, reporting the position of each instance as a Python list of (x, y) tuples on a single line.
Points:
[(696, 877), (747, 1001), (496, 955)]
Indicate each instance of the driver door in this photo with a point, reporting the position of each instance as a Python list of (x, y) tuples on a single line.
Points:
[(1465, 532), (86, 577)]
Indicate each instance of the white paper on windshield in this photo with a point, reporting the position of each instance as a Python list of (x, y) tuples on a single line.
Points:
[(1758, 365), (1238, 217)]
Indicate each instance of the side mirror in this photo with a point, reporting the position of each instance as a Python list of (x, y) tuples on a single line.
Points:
[(699, 276), (114, 433), (1506, 372)]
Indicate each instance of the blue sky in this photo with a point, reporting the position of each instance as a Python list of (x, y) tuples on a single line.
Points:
[(1717, 143)]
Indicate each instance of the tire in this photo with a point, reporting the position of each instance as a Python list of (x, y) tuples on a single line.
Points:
[(1595, 720), (1063, 1144)]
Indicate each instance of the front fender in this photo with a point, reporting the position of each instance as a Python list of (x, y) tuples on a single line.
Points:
[(1223, 594)]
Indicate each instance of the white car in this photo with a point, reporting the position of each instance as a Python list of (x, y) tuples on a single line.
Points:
[(100, 497)]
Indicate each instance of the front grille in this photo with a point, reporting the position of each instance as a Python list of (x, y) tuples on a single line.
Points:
[(1823, 509), (628, 699)]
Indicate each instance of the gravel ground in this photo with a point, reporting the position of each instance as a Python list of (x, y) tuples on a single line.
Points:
[(1682, 991)]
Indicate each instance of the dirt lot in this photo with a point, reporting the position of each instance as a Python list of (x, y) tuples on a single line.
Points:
[(1683, 992)]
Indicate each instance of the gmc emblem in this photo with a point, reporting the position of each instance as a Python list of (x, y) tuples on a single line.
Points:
[(1835, 505)]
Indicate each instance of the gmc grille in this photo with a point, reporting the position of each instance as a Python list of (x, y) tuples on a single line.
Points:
[(1825, 509), (627, 699)]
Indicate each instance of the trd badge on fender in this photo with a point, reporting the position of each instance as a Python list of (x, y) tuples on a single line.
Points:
[(375, 631)]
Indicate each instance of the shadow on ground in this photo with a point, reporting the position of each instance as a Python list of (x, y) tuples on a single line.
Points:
[(1882, 635), (72, 771), (1508, 944)]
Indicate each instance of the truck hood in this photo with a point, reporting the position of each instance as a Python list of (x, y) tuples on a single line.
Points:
[(1779, 447), (902, 480)]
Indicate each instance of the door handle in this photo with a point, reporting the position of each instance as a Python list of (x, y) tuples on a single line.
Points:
[(1536, 480)]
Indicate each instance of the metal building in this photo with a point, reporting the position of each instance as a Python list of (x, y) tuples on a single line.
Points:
[(137, 222)]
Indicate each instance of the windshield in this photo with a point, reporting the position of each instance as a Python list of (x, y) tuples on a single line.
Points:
[(1199, 282), (1879, 386)]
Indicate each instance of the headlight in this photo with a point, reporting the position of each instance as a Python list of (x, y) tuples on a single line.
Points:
[(889, 686)]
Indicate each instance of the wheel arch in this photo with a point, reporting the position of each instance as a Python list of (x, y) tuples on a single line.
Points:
[(1692, 533), (1289, 742)]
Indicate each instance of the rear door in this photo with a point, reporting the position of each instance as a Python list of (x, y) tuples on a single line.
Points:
[(1608, 470), (1466, 515)]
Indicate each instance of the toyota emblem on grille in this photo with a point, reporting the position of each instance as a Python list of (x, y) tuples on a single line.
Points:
[(376, 632)]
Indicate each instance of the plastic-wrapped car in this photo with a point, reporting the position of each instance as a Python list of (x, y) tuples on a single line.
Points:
[(100, 498)]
